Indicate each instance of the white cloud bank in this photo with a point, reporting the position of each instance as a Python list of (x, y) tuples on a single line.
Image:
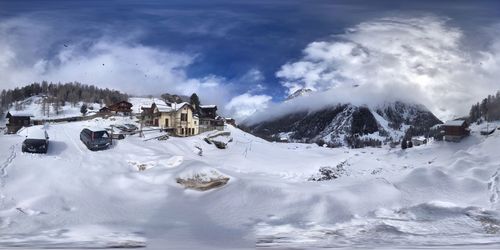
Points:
[(420, 60), (245, 105)]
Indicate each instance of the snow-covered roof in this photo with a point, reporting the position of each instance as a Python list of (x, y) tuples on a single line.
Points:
[(146, 102), (35, 133), (208, 106), (96, 129), (457, 123), (20, 113), (163, 108), (437, 126), (420, 138), (177, 106)]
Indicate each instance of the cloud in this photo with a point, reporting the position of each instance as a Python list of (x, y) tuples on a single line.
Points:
[(420, 59), (245, 105), (35, 51)]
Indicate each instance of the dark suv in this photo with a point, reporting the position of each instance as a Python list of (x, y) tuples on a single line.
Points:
[(37, 141), (95, 139)]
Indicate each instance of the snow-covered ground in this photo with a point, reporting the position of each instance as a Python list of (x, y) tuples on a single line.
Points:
[(34, 107), (437, 195)]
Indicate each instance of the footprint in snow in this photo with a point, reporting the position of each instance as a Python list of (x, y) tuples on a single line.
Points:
[(494, 188), (29, 212)]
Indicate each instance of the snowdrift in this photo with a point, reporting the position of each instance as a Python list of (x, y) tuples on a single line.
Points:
[(129, 195)]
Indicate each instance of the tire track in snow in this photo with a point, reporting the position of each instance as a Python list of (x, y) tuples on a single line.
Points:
[(6, 164), (493, 187), (5, 222), (77, 145)]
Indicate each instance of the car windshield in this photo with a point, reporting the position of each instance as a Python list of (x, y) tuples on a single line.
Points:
[(100, 134), (34, 141)]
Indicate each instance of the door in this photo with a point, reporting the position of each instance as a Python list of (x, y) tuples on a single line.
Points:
[(166, 123), (156, 122)]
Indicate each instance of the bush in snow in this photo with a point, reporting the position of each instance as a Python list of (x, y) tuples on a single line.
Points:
[(83, 109), (330, 173), (403, 144)]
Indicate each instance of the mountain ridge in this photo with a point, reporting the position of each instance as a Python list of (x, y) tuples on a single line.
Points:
[(349, 125)]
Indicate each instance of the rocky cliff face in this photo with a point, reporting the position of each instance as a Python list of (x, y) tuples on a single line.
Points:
[(349, 125)]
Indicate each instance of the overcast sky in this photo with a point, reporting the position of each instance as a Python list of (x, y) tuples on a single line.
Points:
[(249, 55)]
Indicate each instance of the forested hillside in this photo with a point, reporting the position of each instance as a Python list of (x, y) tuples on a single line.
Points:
[(57, 95), (488, 109)]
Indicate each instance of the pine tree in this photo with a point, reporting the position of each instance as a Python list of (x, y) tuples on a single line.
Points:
[(83, 109), (403, 144), (57, 107), (195, 101)]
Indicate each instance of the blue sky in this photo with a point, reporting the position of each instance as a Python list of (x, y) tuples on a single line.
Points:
[(221, 49)]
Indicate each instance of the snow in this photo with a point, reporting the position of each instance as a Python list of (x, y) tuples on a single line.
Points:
[(34, 132), (208, 106), (177, 106), (32, 106), (164, 108), (140, 102), (454, 123), (440, 194), (20, 113)]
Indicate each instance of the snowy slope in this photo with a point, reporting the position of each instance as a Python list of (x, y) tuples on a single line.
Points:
[(33, 106), (71, 197)]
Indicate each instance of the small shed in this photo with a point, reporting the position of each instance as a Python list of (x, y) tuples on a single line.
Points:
[(455, 130), (17, 120)]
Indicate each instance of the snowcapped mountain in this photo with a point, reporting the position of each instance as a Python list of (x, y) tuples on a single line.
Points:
[(349, 125), (299, 93)]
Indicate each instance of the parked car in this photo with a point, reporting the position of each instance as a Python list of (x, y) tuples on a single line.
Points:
[(132, 127), (37, 141), (115, 133), (122, 128), (95, 139)]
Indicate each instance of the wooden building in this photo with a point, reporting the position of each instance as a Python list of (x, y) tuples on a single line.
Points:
[(455, 130), (150, 115), (17, 120), (123, 107), (209, 120), (104, 110), (230, 121)]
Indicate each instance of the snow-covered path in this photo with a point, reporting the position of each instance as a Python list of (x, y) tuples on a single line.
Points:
[(426, 196)]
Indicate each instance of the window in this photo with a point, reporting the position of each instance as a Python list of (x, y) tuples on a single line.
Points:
[(182, 131), (166, 122), (184, 117)]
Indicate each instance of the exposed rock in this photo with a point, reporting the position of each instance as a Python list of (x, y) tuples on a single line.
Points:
[(299, 93), (219, 139), (202, 180)]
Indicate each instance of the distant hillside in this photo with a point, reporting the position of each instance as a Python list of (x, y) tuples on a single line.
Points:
[(349, 125), (56, 97), (486, 110)]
